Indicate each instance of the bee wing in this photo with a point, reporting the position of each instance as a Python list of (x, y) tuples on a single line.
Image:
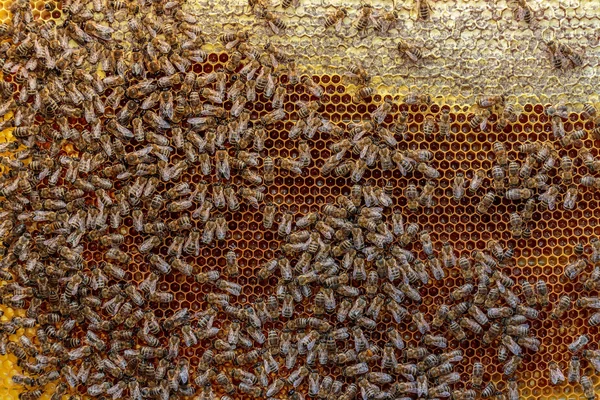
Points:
[(232, 44), (556, 376), (197, 120), (411, 55), (483, 124), (274, 27), (338, 25), (144, 151), (274, 61), (270, 84), (124, 131), (358, 136), (375, 19)]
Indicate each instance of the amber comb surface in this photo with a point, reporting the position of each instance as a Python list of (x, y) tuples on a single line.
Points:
[(245, 209)]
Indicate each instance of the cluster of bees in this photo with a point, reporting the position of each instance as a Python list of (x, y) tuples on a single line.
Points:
[(376, 139), (575, 271), (353, 263), (122, 138), (488, 307)]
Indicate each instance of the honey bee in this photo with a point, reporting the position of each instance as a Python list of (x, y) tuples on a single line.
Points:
[(480, 119), (524, 12), (411, 193), (488, 101), (590, 181), (381, 112), (273, 117), (358, 75), (419, 321), (573, 137), (564, 303), (383, 22), (429, 126), (424, 10), (563, 55), (489, 390), (275, 387), (426, 196), (511, 366), (508, 115), (574, 371), (477, 375), (570, 199), (401, 126), (364, 18), (414, 54), (440, 316), (588, 387), (274, 22), (558, 128), (477, 181), (311, 87), (485, 203)]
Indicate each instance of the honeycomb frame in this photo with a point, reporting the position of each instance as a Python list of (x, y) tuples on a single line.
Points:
[(470, 149)]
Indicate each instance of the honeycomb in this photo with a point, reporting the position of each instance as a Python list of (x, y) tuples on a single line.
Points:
[(470, 47), (551, 247)]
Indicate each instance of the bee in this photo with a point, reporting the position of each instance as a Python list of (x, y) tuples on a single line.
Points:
[(356, 369), (480, 119), (444, 125), (477, 181), (570, 199), (590, 181), (419, 321), (524, 12), (274, 388), (578, 344), (381, 112), (508, 115), (588, 387), (364, 17), (458, 186), (424, 10), (426, 196), (588, 160), (306, 110), (488, 101), (273, 117), (429, 126), (411, 193), (385, 157), (435, 341), (564, 303), (572, 137), (296, 377), (232, 40), (440, 316), (486, 202), (574, 371), (511, 366), (311, 87), (548, 198), (414, 54), (572, 270), (477, 375), (274, 22), (564, 53)]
